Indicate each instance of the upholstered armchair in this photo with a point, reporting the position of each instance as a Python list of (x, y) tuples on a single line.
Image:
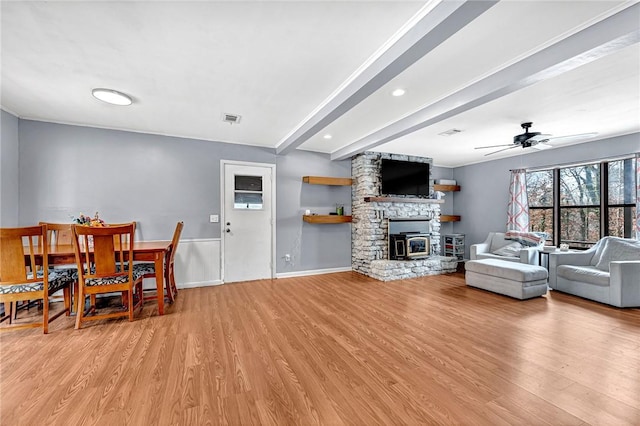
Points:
[(515, 248), (608, 272)]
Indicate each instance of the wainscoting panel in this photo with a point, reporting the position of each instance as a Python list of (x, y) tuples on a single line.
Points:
[(197, 263)]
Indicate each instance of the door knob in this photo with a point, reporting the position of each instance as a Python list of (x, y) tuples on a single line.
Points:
[(228, 230), (228, 223)]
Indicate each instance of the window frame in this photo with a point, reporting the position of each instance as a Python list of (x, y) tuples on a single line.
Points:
[(603, 205)]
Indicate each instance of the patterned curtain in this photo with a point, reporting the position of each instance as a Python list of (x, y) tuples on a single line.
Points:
[(637, 196), (518, 208)]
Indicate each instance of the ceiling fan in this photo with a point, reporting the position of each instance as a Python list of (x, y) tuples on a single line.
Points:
[(535, 140)]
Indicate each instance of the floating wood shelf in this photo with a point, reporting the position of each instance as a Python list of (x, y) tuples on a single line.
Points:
[(322, 180), (402, 200), (449, 218), (445, 188), (329, 218)]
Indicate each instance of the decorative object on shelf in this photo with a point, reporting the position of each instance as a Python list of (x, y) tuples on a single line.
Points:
[(307, 212), (340, 209), (88, 221)]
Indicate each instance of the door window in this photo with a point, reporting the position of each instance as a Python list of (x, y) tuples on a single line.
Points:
[(248, 192)]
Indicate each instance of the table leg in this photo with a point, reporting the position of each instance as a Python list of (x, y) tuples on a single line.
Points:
[(159, 265)]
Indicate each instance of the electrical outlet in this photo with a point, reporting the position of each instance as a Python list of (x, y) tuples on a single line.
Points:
[(214, 218), (287, 257)]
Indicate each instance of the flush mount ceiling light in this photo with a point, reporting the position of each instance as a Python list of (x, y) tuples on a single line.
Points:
[(398, 92), (111, 96), (327, 136)]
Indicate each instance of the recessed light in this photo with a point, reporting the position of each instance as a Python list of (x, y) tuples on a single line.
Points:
[(398, 92), (327, 136), (111, 96)]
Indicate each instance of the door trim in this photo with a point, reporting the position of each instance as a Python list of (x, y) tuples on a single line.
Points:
[(223, 164)]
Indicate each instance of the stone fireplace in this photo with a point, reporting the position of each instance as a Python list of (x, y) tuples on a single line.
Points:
[(372, 213)]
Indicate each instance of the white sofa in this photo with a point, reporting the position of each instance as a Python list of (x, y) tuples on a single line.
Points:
[(608, 272), (496, 241)]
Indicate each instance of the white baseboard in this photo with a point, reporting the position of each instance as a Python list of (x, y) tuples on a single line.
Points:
[(198, 284), (312, 272)]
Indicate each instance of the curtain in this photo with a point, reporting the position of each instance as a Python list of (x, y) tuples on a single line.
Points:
[(637, 196), (518, 207)]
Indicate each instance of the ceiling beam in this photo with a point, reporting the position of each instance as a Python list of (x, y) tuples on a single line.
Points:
[(594, 42), (438, 23)]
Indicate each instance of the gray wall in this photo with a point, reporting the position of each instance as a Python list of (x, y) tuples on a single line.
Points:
[(157, 180), (483, 198), (154, 180), (9, 157), (311, 246)]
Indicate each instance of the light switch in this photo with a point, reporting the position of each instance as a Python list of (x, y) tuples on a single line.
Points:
[(214, 218)]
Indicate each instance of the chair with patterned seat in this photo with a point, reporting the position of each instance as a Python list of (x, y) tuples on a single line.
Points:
[(60, 234), (25, 273), (104, 257), (148, 270)]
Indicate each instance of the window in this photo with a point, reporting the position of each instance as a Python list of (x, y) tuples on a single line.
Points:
[(248, 192), (579, 205), (621, 199), (540, 197)]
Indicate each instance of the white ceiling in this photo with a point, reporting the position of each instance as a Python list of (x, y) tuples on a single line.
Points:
[(297, 70)]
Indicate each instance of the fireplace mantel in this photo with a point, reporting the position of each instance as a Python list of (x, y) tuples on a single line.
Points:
[(402, 200)]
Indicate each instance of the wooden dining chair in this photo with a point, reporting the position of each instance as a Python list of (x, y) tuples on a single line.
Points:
[(106, 267), (60, 234), (25, 273), (148, 270)]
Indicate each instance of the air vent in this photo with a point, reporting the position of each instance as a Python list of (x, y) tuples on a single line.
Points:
[(230, 118), (450, 132)]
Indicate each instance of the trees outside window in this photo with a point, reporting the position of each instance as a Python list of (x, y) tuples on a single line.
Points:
[(540, 195), (580, 205), (621, 197), (590, 201)]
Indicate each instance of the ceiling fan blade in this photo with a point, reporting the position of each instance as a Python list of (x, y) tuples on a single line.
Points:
[(539, 138), (500, 150), (567, 138), (494, 146)]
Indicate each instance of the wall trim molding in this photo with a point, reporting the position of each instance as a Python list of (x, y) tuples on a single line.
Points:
[(312, 272), (197, 284)]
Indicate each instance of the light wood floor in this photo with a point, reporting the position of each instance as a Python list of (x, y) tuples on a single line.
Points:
[(333, 349)]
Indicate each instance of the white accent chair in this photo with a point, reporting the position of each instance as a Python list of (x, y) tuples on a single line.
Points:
[(496, 241), (608, 272)]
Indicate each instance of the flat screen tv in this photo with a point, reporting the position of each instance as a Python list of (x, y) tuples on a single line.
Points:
[(405, 178)]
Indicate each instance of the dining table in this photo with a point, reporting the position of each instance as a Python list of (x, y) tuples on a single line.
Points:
[(148, 251)]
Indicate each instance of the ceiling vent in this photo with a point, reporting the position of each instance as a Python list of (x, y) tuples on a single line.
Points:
[(450, 132), (230, 118)]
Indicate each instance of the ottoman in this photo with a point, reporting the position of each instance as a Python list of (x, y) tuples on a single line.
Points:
[(519, 280)]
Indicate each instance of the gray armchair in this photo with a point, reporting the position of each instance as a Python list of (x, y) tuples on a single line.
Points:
[(496, 243), (608, 272)]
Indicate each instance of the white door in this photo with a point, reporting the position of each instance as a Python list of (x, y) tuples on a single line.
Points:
[(248, 228)]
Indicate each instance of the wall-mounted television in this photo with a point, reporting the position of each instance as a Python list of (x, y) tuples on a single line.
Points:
[(405, 178)]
